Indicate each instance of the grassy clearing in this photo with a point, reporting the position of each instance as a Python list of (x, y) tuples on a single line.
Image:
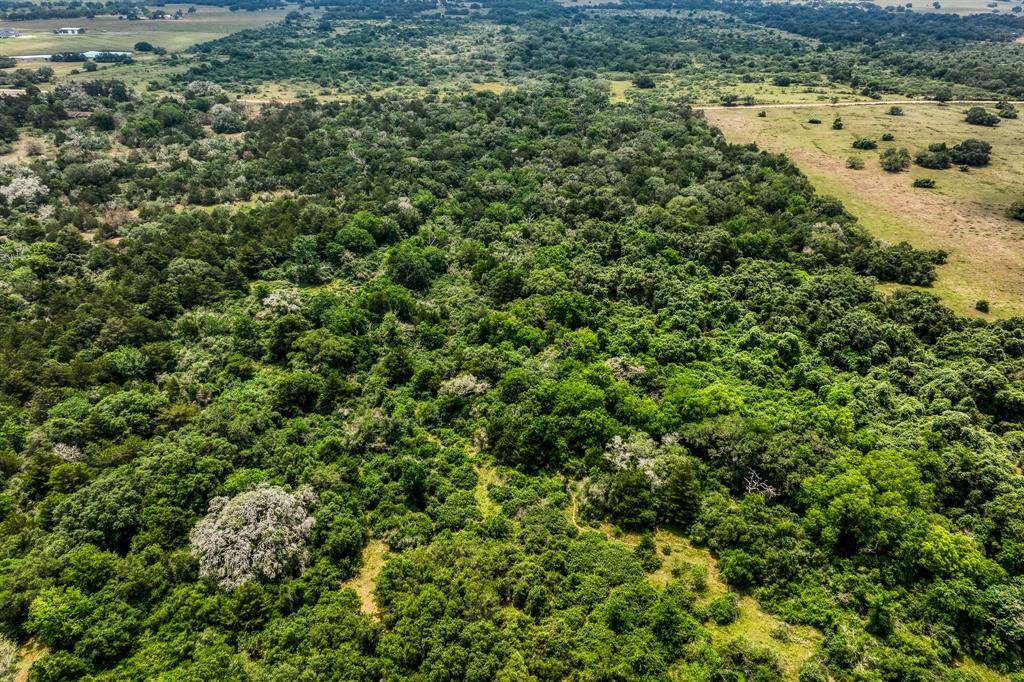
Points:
[(705, 87), (767, 93), (753, 623), (27, 655), (495, 87), (112, 33), (619, 89), (964, 214), (486, 476), (374, 555), (983, 672)]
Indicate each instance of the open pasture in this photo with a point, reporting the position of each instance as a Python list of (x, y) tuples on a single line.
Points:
[(964, 214), (115, 34)]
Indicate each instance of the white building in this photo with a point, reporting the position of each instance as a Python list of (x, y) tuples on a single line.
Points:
[(70, 31)]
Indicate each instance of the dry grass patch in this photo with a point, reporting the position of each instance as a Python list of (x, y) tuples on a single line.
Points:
[(374, 556), (619, 89), (27, 655)]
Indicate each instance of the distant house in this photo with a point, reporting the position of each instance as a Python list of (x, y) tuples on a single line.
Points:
[(9, 33), (70, 31)]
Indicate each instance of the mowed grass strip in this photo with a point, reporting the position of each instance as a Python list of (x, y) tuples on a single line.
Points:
[(965, 213)]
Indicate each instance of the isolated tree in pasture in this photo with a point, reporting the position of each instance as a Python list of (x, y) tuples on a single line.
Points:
[(895, 159), (971, 153), (979, 116)]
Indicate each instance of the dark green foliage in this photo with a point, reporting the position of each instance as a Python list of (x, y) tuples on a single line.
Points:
[(894, 159), (468, 326), (979, 116), (725, 609), (971, 153)]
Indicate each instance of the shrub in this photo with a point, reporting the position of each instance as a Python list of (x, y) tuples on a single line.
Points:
[(979, 116), (895, 111), (1006, 110), (855, 163), (971, 153), (981, 305), (865, 143), (644, 82), (926, 183), (888, 137), (762, 114), (725, 609), (895, 159), (937, 157), (814, 121), (1016, 210), (837, 124)]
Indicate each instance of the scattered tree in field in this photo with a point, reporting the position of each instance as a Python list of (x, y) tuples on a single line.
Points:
[(979, 116), (256, 535), (981, 305), (971, 152), (895, 111), (888, 137), (865, 143), (895, 159), (854, 162), (837, 123), (926, 183), (644, 82), (936, 157)]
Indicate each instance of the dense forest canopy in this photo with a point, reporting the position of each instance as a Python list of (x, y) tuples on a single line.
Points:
[(243, 349), (357, 47)]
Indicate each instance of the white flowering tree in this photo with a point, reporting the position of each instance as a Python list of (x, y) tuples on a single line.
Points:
[(257, 535), (8, 658), (23, 189)]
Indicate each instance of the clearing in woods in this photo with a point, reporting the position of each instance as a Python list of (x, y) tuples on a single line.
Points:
[(964, 214)]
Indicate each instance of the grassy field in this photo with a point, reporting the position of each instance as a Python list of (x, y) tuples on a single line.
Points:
[(964, 214), (963, 7), (111, 33)]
